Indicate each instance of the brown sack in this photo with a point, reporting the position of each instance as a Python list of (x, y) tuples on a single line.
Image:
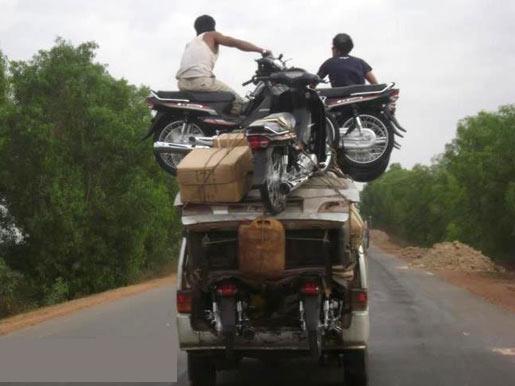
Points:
[(215, 175), (357, 227), (230, 140), (262, 248)]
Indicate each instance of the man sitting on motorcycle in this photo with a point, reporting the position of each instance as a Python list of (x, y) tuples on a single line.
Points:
[(200, 55), (343, 69)]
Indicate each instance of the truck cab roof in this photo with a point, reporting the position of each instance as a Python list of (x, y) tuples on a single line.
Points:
[(322, 199)]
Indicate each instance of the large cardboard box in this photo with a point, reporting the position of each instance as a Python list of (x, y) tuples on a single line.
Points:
[(230, 140), (215, 175)]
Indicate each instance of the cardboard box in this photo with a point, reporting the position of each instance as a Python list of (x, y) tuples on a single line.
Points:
[(215, 175), (230, 140)]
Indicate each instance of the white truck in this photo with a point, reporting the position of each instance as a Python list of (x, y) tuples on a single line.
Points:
[(318, 306)]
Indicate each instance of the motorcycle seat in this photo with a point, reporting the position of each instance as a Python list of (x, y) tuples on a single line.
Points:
[(339, 92), (197, 96)]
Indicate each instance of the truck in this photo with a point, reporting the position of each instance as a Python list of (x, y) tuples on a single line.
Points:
[(317, 303)]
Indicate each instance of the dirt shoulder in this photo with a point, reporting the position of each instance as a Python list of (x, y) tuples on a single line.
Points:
[(459, 264), (40, 315)]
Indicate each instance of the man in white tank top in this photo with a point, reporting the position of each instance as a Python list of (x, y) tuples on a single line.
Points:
[(199, 57)]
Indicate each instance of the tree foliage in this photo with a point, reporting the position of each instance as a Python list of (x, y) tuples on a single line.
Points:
[(94, 208), (468, 194)]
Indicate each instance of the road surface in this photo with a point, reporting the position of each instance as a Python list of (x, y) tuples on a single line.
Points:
[(424, 331)]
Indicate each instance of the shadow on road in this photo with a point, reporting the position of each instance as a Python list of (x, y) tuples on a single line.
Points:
[(292, 372)]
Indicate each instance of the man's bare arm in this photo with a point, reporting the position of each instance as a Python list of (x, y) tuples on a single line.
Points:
[(371, 78), (236, 43)]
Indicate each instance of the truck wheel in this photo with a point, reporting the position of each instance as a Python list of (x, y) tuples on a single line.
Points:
[(356, 368), (201, 370)]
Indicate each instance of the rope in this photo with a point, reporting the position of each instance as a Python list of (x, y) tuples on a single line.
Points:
[(233, 143)]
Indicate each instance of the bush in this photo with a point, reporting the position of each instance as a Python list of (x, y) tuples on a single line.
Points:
[(10, 290), (468, 194), (95, 209)]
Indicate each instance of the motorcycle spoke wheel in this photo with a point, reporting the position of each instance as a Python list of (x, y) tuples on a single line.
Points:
[(175, 133), (368, 144), (271, 193)]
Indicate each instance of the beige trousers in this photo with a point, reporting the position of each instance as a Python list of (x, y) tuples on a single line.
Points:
[(210, 84)]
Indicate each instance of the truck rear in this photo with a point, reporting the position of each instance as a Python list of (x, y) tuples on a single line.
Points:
[(294, 284)]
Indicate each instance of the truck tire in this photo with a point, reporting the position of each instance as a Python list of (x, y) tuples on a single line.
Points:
[(356, 368), (201, 370)]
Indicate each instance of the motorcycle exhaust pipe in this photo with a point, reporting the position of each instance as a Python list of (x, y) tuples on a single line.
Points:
[(202, 141), (177, 148), (289, 186)]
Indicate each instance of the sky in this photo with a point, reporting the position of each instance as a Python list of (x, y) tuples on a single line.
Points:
[(450, 59)]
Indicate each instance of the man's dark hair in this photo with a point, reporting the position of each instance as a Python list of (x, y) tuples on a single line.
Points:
[(343, 43), (204, 23)]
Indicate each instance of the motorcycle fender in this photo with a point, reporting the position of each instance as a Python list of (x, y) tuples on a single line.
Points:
[(260, 159), (312, 306)]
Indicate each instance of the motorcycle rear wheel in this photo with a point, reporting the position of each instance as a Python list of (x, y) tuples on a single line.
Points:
[(376, 128), (173, 132), (270, 190), (367, 174)]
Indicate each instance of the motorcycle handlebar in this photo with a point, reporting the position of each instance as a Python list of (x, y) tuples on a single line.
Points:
[(255, 79), (248, 82)]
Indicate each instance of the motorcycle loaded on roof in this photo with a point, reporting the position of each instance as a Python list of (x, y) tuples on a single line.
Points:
[(293, 129)]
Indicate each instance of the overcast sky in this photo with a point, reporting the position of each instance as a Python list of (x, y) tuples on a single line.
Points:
[(450, 58)]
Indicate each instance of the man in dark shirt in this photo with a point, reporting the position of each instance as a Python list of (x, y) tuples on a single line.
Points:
[(343, 69)]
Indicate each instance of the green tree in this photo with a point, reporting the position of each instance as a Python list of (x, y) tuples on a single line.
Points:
[(468, 194), (95, 209)]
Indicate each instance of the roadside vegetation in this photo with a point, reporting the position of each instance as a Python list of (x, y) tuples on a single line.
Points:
[(467, 194), (83, 205)]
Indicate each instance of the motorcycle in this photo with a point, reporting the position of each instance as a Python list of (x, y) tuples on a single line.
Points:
[(290, 144), (180, 116), (365, 118), (185, 120)]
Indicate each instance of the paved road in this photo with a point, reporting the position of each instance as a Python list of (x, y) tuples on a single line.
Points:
[(424, 332)]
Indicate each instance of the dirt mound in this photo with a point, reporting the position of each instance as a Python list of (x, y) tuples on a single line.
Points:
[(412, 252), (383, 241), (379, 236), (446, 256), (451, 256)]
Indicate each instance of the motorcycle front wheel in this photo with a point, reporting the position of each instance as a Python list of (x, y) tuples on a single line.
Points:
[(178, 131), (271, 193)]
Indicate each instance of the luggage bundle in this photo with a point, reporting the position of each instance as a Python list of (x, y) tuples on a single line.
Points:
[(222, 173)]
